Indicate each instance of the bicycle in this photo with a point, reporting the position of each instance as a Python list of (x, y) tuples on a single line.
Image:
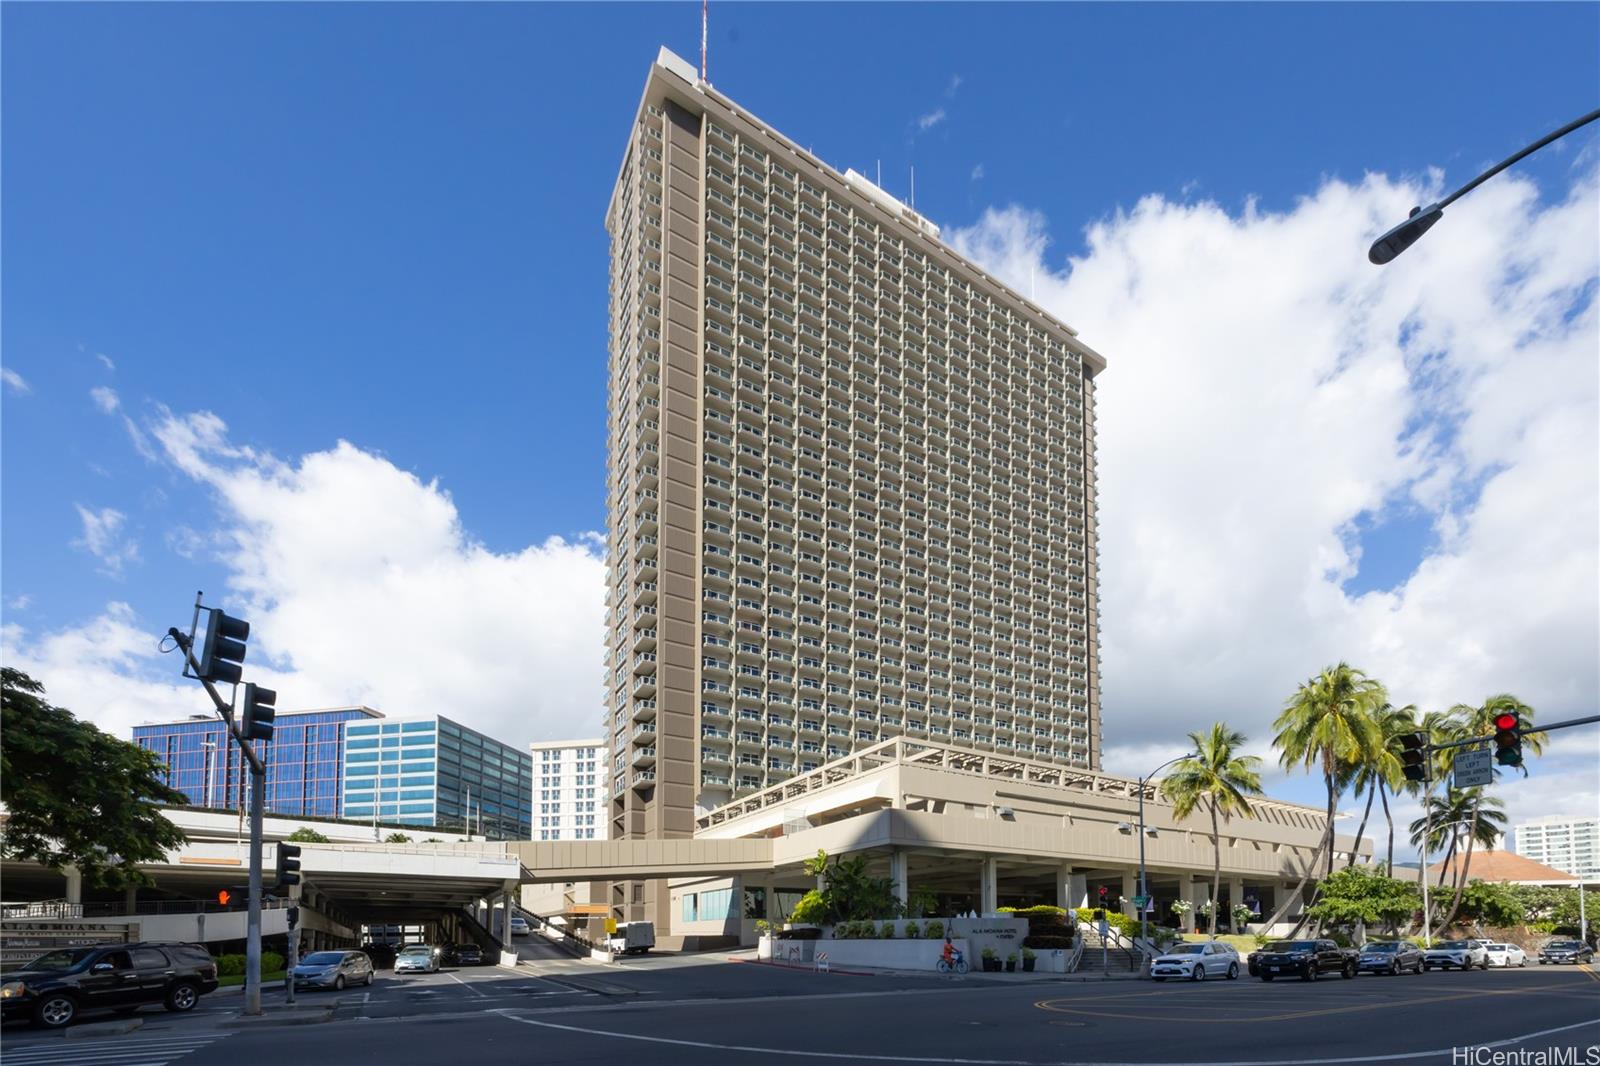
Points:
[(956, 962)]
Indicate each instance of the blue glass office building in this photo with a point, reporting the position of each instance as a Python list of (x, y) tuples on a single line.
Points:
[(433, 771), (305, 760)]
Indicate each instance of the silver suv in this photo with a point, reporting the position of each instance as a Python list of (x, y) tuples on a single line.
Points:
[(1456, 954)]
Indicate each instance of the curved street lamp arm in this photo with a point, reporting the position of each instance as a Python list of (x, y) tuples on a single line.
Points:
[(1532, 148)]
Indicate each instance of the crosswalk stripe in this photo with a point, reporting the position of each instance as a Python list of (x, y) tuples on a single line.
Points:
[(108, 1052)]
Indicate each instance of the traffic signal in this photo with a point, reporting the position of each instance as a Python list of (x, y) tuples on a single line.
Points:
[(1102, 895), (288, 865), (222, 653), (226, 897), (1414, 756), (1508, 738), (293, 915), (258, 712)]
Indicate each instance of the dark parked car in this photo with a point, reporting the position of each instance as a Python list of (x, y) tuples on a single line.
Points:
[(1305, 959), (55, 988), (465, 954), (1390, 957), (1559, 951)]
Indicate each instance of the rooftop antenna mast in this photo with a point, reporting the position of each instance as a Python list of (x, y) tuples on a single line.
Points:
[(913, 187), (705, 15)]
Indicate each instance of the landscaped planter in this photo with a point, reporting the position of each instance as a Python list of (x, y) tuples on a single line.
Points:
[(869, 954)]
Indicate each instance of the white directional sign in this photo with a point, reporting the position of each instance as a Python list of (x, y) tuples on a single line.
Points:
[(1473, 767)]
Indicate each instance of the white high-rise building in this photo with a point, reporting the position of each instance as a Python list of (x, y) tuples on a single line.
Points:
[(569, 795), (1571, 845)]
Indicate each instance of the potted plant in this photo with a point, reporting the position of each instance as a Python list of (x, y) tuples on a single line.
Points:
[(991, 962), (912, 931), (934, 931), (1241, 917), (1202, 913), (1181, 908), (887, 932), (1011, 963), (1027, 960)]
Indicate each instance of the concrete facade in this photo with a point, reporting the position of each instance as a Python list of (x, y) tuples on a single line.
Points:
[(851, 483)]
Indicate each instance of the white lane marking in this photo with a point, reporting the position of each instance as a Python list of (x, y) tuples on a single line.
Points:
[(475, 991), (793, 1052), (123, 1049)]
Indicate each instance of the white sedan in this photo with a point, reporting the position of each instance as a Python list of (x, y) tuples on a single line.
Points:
[(1197, 962), (1506, 955)]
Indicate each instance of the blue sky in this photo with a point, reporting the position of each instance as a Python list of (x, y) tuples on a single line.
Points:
[(383, 223)]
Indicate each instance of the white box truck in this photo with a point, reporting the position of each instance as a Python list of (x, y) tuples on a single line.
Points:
[(633, 938)]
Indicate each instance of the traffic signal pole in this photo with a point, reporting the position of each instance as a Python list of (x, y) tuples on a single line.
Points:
[(252, 944)]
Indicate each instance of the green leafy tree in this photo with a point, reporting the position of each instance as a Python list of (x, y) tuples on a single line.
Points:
[(306, 835), (1492, 903), (1329, 726), (1356, 894), (1219, 781), (76, 796)]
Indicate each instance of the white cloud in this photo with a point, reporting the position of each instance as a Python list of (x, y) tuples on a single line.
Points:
[(14, 381), (105, 361), (977, 172), (950, 90), (105, 398), (361, 586), (103, 537), (20, 602), (1267, 388), (930, 120)]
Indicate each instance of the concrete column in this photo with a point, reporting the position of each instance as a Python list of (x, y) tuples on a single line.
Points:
[(74, 876), (1079, 892), (1064, 886), (989, 890), (1130, 888), (1197, 891), (1235, 897), (897, 874), (130, 899), (769, 904)]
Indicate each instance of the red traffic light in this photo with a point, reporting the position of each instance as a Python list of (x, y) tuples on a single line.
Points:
[(1506, 720)]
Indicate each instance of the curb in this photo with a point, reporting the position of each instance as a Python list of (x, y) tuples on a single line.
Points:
[(280, 1016), (93, 1029)]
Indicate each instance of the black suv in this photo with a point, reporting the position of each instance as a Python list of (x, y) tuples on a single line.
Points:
[(1305, 959), (52, 989)]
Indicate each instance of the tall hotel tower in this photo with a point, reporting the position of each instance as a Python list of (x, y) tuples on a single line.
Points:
[(851, 481)]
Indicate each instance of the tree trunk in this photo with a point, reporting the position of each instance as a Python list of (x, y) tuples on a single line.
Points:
[(1361, 830), (1216, 868), (1311, 865), (1332, 799), (1383, 794), (1461, 878)]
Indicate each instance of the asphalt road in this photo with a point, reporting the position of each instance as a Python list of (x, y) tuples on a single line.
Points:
[(705, 1010)]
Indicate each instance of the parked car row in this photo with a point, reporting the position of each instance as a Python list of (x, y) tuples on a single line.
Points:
[(1310, 959)]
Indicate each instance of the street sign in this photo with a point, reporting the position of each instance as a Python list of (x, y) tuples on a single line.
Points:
[(611, 926), (1141, 902), (1102, 927), (1473, 767)]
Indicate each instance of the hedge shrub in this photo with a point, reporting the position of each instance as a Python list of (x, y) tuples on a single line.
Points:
[(934, 931)]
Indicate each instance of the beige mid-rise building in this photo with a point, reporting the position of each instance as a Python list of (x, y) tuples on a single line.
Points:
[(851, 481)]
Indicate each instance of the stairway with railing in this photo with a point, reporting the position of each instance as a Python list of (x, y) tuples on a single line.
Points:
[(1113, 954)]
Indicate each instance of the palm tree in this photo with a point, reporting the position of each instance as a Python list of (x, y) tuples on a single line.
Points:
[(1221, 781), (1380, 770), (1328, 725), (1466, 815)]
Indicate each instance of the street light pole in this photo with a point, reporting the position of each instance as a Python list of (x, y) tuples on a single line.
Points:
[(1144, 885), (1421, 220)]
